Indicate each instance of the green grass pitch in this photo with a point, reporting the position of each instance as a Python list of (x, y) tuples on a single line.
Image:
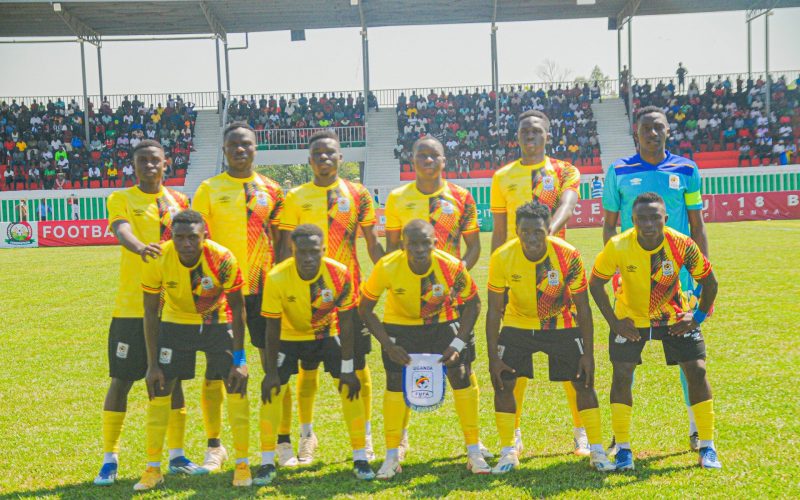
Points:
[(56, 306)]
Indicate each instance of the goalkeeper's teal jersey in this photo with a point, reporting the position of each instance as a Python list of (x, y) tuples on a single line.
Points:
[(676, 179)]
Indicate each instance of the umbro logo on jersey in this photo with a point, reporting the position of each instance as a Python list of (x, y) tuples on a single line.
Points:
[(631, 269), (138, 212), (512, 187), (172, 284), (224, 199), (411, 206), (636, 181), (515, 277), (306, 207), (399, 291), (291, 298)]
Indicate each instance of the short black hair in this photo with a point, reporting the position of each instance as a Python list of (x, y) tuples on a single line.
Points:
[(424, 138), (307, 231), (648, 197), (322, 134), (235, 125), (188, 216), (534, 113), (147, 143), (533, 210), (647, 110)]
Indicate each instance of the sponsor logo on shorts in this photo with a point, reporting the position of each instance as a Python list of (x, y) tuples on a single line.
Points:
[(122, 350), (165, 356), (501, 349), (281, 359), (619, 339)]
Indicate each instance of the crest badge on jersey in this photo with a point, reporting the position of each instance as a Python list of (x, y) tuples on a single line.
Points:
[(438, 290), (553, 277), (207, 283), (447, 207), (667, 268), (344, 203), (674, 181), (261, 198), (327, 295), (547, 183)]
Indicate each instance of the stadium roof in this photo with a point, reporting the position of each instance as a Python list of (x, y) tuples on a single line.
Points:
[(93, 18)]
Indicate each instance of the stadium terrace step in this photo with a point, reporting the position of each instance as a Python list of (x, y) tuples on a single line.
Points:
[(613, 131), (381, 167), (208, 143)]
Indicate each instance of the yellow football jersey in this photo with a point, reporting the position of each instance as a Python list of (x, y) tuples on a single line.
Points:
[(651, 292), (420, 299), (239, 214), (195, 295), (517, 184), (451, 210), (338, 210), (308, 308), (539, 293), (150, 217)]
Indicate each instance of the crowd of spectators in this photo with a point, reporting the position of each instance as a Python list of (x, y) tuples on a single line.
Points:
[(300, 112), (465, 123), (725, 115), (44, 144)]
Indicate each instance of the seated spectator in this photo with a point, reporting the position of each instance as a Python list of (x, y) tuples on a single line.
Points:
[(61, 181), (744, 154), (34, 178), (95, 175)]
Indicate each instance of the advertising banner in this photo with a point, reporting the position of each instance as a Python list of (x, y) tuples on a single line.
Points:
[(755, 206), (18, 235), (75, 233)]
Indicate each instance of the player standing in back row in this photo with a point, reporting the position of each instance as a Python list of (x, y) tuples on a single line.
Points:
[(553, 183), (340, 208), (241, 209)]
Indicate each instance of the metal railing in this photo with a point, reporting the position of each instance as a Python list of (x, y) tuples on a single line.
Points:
[(223, 119), (297, 138), (386, 97)]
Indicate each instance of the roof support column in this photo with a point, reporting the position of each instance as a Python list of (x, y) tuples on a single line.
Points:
[(365, 69), (630, 75), (619, 59), (100, 70), (221, 102), (749, 52), (85, 98), (227, 70), (766, 63), (495, 78)]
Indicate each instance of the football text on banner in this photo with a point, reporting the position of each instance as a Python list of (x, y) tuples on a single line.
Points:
[(587, 213), (75, 233), (18, 235)]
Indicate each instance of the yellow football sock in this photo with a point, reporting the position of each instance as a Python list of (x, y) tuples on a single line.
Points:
[(572, 400), (473, 381), (505, 428), (704, 416), (591, 422), (270, 419), (365, 377), (519, 397), (285, 427), (156, 426), (353, 412), (394, 406), (176, 428), (621, 422), (307, 383), (112, 430), (211, 396), (406, 417), (467, 409), (239, 418)]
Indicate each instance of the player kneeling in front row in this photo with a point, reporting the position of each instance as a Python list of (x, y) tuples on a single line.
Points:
[(203, 311), (309, 302), (652, 306), (548, 311), (425, 287)]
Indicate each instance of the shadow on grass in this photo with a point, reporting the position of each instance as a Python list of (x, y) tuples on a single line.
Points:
[(433, 478)]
